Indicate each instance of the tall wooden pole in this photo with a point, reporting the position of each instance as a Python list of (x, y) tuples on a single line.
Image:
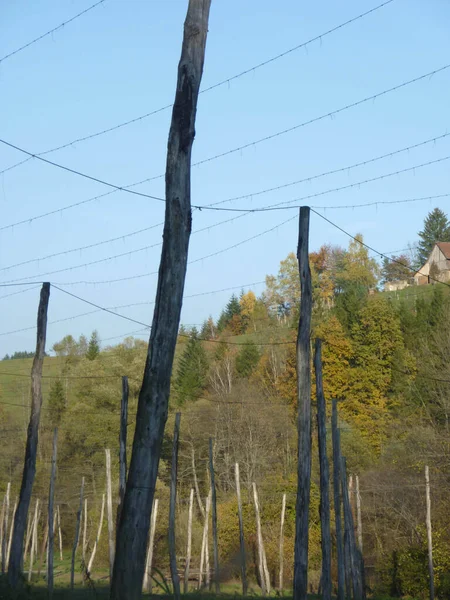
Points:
[(97, 539), (34, 540), (4, 537), (29, 532), (29, 468), (197, 490), (77, 536), (214, 518), (172, 506), (429, 533), (123, 445), (324, 475), (85, 520), (189, 542), (262, 563), (205, 550), (151, 543), (283, 512), (59, 534), (241, 530), (109, 512), (337, 502), (304, 412), (51, 520), (358, 515), (354, 555), (8, 552), (154, 395)]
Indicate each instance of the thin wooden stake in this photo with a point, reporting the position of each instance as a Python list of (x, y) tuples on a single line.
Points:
[(33, 539), (354, 555), (123, 445), (189, 542), (172, 506), (262, 564), (29, 468), (304, 413), (283, 511), (359, 515), (214, 518), (324, 476), (43, 549), (77, 536), (85, 519), (51, 520), (197, 490), (109, 511), (151, 543), (204, 552), (337, 502), (429, 533), (29, 532), (4, 536), (60, 535), (8, 552), (241, 530), (154, 395), (97, 539)]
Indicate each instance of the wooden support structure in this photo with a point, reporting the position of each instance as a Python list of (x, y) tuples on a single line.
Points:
[(337, 501), (123, 444), (214, 518), (151, 544), (8, 551), (197, 490), (304, 412), (59, 534), (204, 555), (153, 401), (353, 553), (77, 536), (358, 515), (51, 515), (241, 531), (109, 512), (29, 532), (283, 512), (97, 539), (429, 533), (262, 562), (34, 536), (85, 520), (29, 468), (172, 506), (324, 508), (189, 542)]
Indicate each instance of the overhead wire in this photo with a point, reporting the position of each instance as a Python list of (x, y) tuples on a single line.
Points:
[(51, 31), (214, 86)]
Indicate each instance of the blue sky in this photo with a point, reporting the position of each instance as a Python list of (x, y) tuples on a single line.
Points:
[(119, 61)]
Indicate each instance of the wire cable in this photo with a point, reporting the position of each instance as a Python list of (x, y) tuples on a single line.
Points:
[(44, 35), (208, 89)]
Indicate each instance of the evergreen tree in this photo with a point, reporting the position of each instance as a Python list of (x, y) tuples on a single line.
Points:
[(436, 228), (231, 314), (192, 372), (56, 403), (94, 346), (232, 308), (247, 359), (208, 330)]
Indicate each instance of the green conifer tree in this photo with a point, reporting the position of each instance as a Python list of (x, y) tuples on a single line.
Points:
[(436, 228), (247, 360), (94, 346), (192, 372)]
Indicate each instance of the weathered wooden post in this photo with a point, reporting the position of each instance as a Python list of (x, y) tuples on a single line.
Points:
[(262, 563), (241, 530), (109, 512), (172, 506), (359, 515), (197, 490), (8, 552), (429, 533), (304, 412), (4, 537), (29, 468), (151, 543), (214, 518), (283, 512), (85, 519), (77, 535), (97, 539), (51, 520), (29, 532), (123, 445), (337, 501), (324, 475), (154, 395), (354, 555), (189, 542)]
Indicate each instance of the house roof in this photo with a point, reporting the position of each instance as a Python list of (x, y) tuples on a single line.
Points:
[(444, 247)]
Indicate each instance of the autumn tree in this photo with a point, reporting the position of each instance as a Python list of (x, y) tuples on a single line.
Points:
[(208, 330), (436, 228), (357, 267), (192, 372), (282, 293)]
